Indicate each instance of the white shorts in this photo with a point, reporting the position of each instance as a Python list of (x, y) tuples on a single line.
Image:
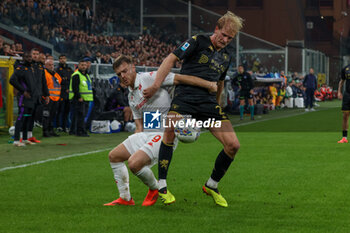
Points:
[(149, 142)]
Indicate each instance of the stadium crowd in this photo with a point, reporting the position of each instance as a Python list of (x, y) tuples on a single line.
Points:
[(7, 49), (73, 30)]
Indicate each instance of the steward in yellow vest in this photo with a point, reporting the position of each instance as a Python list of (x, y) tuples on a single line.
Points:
[(80, 94), (80, 86)]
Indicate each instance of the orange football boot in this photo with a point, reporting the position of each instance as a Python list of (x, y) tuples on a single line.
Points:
[(120, 201), (33, 139), (343, 140), (151, 198)]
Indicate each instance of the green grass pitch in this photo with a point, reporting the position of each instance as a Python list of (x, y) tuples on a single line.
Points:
[(290, 175)]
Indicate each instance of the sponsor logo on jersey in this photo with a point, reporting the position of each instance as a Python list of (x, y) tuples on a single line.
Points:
[(185, 46), (203, 59)]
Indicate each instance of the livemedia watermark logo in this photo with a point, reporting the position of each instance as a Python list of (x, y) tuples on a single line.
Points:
[(154, 120)]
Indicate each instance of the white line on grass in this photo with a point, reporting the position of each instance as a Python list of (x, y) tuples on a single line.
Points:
[(273, 118), (96, 151), (53, 159), (280, 117)]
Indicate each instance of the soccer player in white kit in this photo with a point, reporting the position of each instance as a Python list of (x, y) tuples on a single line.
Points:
[(141, 149)]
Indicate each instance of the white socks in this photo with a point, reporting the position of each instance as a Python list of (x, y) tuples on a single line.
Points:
[(212, 183), (147, 177), (162, 183), (121, 176), (30, 134)]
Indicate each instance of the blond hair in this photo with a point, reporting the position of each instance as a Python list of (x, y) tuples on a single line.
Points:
[(234, 22), (120, 60)]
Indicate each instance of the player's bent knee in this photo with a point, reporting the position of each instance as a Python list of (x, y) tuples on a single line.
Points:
[(134, 165), (111, 156), (114, 156), (232, 148)]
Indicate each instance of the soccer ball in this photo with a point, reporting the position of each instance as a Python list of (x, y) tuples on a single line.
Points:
[(12, 131), (187, 134), (115, 125)]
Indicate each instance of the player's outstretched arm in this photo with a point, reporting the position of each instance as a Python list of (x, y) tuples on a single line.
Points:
[(195, 81), (162, 72), (340, 88)]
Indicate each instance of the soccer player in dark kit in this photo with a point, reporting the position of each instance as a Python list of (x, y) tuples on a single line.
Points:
[(345, 78), (207, 57), (245, 83)]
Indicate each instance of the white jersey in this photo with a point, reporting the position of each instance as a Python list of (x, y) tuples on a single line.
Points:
[(149, 142), (160, 100)]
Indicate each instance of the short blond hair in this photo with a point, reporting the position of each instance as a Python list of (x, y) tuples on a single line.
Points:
[(120, 60), (235, 22)]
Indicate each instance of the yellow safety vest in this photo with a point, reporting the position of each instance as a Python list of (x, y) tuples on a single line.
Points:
[(85, 88)]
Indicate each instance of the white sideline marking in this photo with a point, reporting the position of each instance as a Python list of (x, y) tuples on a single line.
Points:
[(53, 159), (273, 118)]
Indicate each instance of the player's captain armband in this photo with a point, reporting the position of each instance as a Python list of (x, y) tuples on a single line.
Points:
[(185, 46)]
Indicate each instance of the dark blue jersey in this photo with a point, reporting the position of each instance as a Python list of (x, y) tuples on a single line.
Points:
[(244, 81), (201, 59), (345, 75)]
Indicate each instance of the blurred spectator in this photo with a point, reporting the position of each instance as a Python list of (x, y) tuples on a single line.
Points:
[(267, 101), (98, 58), (273, 93), (1, 46), (7, 50), (18, 49), (310, 83), (88, 15), (42, 58), (73, 30), (80, 92), (118, 101), (289, 101), (114, 56), (22, 80), (284, 83), (280, 96), (63, 106), (41, 91), (110, 26), (53, 81)]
